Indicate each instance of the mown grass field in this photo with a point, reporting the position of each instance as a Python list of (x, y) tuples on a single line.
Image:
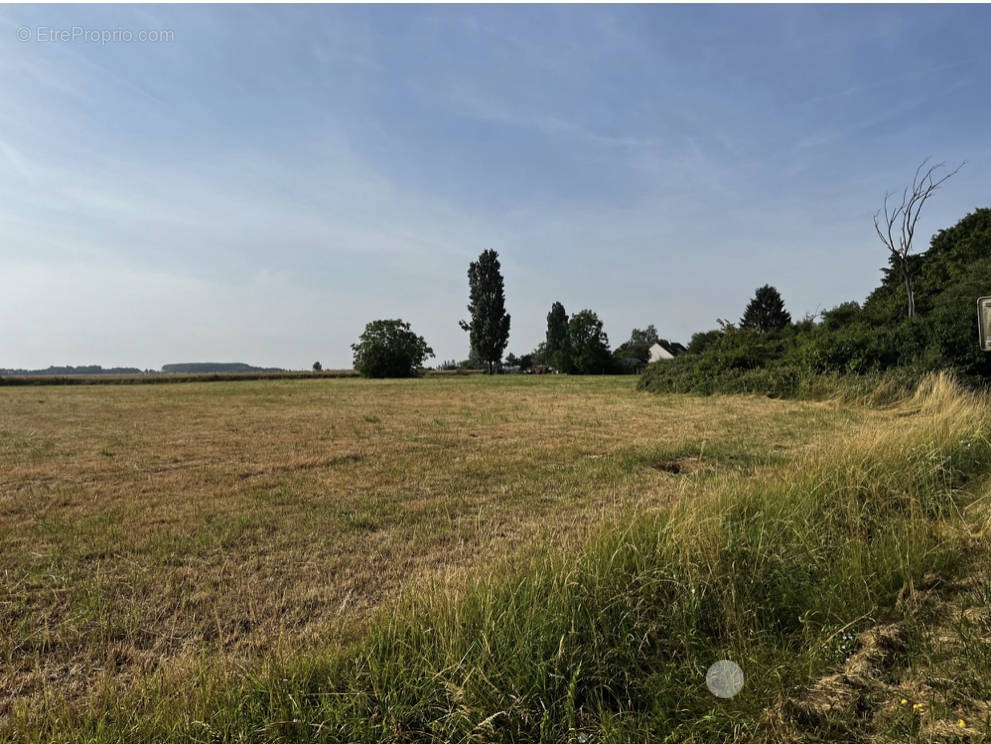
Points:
[(183, 561)]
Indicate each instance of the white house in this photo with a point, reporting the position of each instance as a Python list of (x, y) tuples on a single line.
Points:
[(665, 350), (658, 352)]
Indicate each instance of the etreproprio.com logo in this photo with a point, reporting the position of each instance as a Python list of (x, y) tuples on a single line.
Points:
[(81, 34)]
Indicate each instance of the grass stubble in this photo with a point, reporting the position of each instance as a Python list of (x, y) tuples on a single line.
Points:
[(319, 560)]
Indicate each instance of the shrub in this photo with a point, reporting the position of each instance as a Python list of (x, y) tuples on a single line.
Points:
[(877, 341)]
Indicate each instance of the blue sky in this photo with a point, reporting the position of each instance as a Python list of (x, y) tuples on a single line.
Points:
[(274, 177)]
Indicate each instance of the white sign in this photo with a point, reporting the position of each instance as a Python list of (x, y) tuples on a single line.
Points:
[(984, 322)]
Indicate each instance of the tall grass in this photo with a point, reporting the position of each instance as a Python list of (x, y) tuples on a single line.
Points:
[(611, 643)]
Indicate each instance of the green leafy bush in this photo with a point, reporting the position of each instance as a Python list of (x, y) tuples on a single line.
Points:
[(874, 341)]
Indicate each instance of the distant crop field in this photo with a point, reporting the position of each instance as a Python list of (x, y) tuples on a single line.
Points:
[(147, 531), (161, 378)]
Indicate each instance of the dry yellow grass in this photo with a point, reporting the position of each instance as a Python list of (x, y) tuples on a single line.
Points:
[(151, 527)]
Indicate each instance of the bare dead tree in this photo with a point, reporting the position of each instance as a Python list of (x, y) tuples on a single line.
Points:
[(897, 228)]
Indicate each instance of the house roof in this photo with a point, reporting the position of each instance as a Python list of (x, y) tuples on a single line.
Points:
[(671, 347)]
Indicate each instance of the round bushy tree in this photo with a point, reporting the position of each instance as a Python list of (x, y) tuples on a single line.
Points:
[(588, 345), (389, 348)]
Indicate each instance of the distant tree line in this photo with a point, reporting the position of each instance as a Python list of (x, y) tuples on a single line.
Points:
[(89, 369), (187, 368), (184, 368), (579, 345), (574, 345)]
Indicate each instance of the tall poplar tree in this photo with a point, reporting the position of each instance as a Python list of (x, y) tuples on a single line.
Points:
[(556, 345), (488, 328)]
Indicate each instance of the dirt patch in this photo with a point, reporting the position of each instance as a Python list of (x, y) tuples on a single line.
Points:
[(678, 465)]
